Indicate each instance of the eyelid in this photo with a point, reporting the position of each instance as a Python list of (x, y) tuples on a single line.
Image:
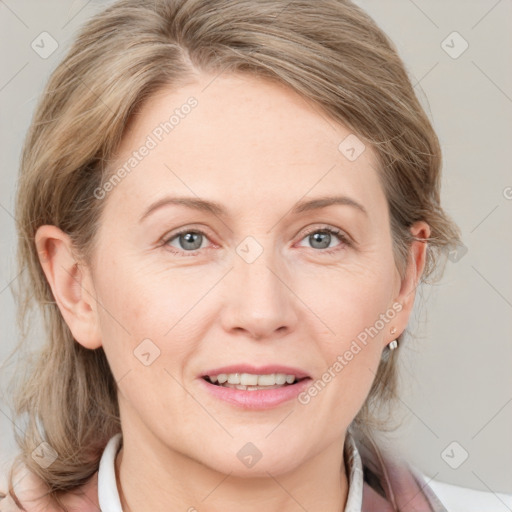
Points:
[(325, 227)]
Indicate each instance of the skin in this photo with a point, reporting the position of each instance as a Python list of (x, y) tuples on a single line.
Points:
[(257, 148)]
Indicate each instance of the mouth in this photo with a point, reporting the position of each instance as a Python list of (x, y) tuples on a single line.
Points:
[(255, 388)]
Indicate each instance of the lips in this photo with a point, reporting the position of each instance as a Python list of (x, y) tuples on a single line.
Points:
[(255, 398)]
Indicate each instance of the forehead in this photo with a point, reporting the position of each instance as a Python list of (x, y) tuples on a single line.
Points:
[(244, 140)]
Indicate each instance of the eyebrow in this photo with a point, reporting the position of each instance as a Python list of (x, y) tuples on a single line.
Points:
[(217, 209)]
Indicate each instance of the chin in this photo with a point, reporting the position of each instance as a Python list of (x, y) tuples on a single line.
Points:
[(248, 461)]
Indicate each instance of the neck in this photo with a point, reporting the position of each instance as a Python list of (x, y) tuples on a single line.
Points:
[(151, 476)]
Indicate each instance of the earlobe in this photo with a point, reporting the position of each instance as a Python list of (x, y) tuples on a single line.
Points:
[(71, 284)]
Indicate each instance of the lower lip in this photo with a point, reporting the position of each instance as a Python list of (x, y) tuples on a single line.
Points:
[(259, 398)]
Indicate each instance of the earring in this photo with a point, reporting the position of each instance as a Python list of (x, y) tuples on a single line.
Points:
[(394, 344)]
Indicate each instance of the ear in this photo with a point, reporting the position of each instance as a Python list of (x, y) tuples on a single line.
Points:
[(71, 284), (414, 270)]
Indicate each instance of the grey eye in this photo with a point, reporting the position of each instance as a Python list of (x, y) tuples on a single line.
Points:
[(190, 240), (322, 238)]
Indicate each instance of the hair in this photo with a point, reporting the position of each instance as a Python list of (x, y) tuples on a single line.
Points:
[(329, 51)]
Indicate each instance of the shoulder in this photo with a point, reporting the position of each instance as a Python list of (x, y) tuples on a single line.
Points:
[(464, 499), (31, 493)]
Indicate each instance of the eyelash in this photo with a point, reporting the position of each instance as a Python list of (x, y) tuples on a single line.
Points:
[(332, 231)]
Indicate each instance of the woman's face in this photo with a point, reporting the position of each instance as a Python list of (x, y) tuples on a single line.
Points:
[(254, 282)]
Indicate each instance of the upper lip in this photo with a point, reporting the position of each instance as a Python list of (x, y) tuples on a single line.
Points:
[(257, 370)]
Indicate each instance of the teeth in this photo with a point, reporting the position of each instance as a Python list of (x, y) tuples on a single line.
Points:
[(280, 378), (234, 378), (267, 380), (249, 379), (250, 388)]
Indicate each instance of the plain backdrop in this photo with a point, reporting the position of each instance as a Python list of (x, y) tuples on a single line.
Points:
[(456, 372)]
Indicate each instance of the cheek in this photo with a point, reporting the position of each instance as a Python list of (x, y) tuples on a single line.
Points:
[(140, 302), (350, 300), (132, 309), (356, 307), (146, 344)]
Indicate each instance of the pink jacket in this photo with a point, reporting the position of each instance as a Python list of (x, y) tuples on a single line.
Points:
[(392, 485)]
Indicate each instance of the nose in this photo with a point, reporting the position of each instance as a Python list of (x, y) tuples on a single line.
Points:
[(259, 301)]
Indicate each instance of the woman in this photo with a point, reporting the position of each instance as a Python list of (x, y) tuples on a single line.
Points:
[(225, 209)]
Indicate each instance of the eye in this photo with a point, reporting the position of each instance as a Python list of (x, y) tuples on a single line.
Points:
[(187, 240), (321, 238)]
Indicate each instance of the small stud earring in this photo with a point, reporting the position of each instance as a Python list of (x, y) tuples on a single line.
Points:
[(394, 344)]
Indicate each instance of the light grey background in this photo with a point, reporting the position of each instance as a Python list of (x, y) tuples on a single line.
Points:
[(457, 378)]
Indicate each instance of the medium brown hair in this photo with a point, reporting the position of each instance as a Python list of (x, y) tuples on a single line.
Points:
[(329, 51)]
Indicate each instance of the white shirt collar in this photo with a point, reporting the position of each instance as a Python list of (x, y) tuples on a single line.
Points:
[(107, 487), (108, 494), (355, 475)]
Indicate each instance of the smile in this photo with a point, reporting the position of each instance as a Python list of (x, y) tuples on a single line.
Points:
[(255, 397)]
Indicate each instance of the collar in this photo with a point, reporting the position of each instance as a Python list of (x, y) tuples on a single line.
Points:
[(108, 496)]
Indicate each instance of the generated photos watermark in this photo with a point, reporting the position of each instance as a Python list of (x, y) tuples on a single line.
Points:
[(152, 140), (343, 359)]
